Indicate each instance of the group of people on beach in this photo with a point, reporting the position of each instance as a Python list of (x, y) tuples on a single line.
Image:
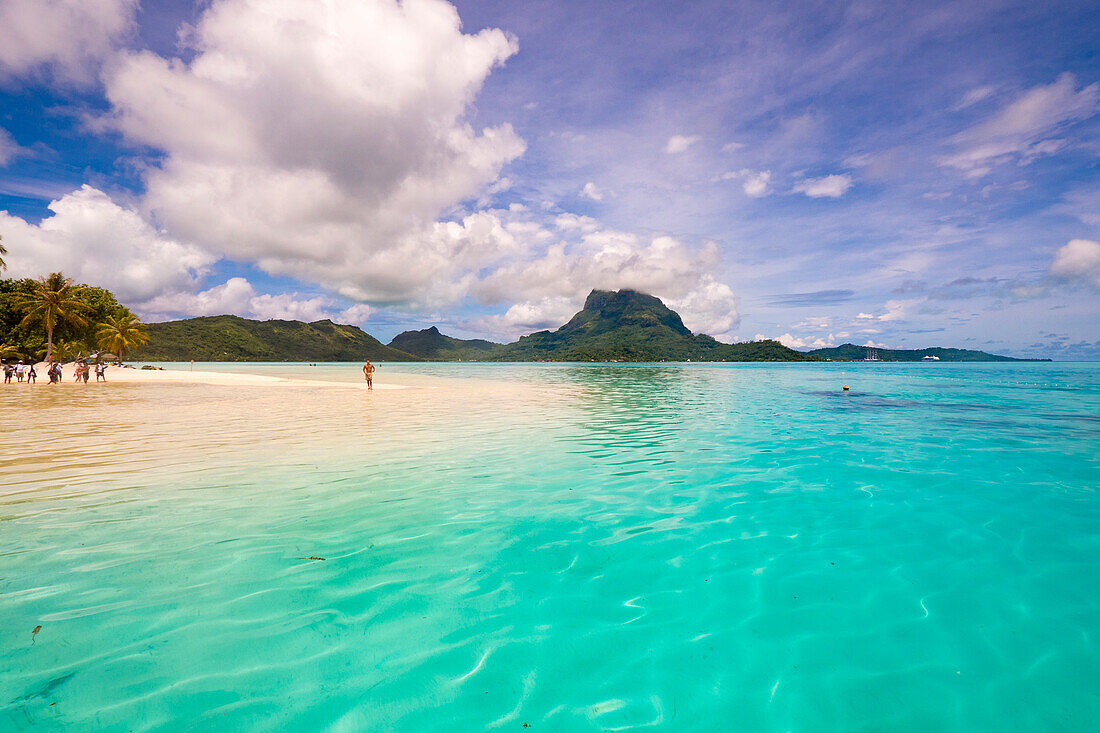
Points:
[(26, 372), (20, 371)]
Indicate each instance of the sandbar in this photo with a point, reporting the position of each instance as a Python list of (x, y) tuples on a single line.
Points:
[(231, 379)]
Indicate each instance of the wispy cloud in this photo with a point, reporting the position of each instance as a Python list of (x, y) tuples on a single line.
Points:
[(820, 297), (1024, 129), (975, 96)]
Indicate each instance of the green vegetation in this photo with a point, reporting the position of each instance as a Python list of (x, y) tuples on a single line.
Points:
[(622, 326), (430, 344), (54, 314), (230, 338), (632, 326), (54, 300), (851, 352), (119, 333), (37, 315)]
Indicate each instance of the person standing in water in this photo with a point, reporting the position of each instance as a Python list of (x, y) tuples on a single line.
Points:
[(368, 374), (100, 372)]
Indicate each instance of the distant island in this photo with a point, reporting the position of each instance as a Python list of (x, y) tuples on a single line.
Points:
[(431, 345), (623, 325), (851, 352)]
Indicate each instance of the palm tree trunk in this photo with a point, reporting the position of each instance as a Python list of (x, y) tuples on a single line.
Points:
[(49, 344)]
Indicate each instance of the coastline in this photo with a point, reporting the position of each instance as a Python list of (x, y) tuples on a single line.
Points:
[(228, 379)]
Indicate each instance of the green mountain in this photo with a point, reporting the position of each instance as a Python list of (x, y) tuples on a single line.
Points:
[(613, 326), (851, 352), (432, 345), (632, 326), (230, 338)]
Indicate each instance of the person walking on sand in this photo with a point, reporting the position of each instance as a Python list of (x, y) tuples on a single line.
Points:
[(368, 374)]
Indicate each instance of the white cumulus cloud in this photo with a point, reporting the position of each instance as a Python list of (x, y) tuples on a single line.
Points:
[(523, 318), (321, 140), (1078, 260), (802, 342), (680, 143), (833, 186), (753, 183), (94, 240), (238, 297), (554, 282), (591, 191), (756, 184), (64, 39)]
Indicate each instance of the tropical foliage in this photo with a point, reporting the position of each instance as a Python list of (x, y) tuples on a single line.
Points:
[(27, 338), (432, 345), (121, 333), (66, 350), (231, 338), (54, 300)]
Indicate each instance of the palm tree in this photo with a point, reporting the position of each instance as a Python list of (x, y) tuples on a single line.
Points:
[(53, 302), (3, 251), (65, 351), (8, 351), (122, 332)]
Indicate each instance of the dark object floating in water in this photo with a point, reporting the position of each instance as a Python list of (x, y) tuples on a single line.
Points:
[(313, 557), (35, 632), (47, 689)]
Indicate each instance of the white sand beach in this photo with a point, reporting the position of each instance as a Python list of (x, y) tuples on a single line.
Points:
[(180, 376)]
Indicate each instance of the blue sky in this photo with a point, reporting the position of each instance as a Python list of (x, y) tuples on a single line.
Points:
[(896, 174)]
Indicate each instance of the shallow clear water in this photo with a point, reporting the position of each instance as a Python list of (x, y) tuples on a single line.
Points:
[(688, 548)]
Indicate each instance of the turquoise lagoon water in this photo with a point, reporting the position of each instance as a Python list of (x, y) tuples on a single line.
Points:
[(570, 547)]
